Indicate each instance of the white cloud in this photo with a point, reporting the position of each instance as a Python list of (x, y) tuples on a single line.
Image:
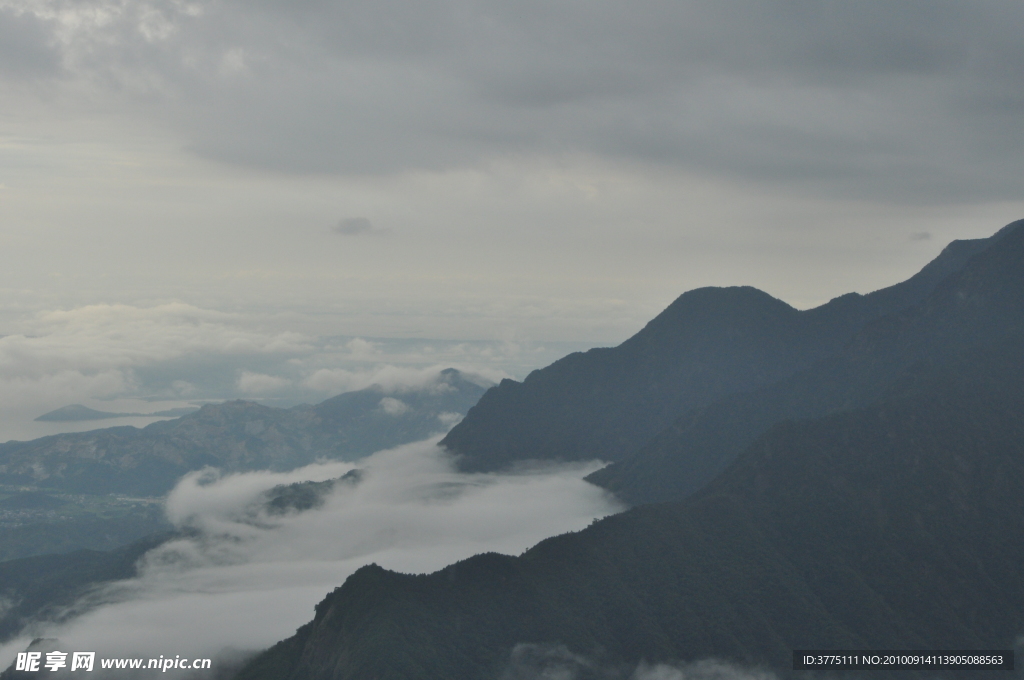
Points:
[(705, 669), (395, 379), (246, 581), (259, 384), (393, 407), (105, 336), (119, 357), (332, 380), (184, 388), (555, 661), (114, 351), (449, 420), (363, 349)]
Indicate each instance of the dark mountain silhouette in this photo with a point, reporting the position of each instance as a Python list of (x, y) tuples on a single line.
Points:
[(237, 436), (894, 526), (75, 412), (607, 403), (45, 586), (51, 586), (874, 500), (92, 531), (303, 496), (982, 302), (78, 412)]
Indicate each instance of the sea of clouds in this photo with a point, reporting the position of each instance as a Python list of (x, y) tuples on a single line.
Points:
[(244, 578)]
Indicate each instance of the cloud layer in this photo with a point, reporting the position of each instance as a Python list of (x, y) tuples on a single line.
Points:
[(248, 578), (916, 101), (552, 661), (127, 358)]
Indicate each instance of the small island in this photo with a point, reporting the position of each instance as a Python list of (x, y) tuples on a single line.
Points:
[(77, 412)]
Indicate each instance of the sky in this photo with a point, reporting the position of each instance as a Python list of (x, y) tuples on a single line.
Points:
[(300, 175)]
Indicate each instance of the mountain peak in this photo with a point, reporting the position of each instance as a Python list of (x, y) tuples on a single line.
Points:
[(710, 342)]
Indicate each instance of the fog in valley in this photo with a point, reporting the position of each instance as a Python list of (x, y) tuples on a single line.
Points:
[(248, 578)]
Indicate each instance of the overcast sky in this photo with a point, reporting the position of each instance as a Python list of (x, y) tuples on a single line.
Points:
[(492, 170)]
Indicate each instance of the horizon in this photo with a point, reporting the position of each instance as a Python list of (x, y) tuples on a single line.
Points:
[(478, 172), (268, 363)]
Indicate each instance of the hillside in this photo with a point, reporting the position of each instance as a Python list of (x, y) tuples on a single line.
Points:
[(50, 587), (710, 343), (981, 303), (237, 436), (872, 500), (47, 585), (898, 525)]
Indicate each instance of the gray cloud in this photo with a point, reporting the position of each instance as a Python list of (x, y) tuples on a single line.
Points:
[(533, 661), (351, 226), (26, 48), (919, 101)]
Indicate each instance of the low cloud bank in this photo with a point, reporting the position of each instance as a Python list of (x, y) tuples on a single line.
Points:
[(247, 578), (394, 379), (529, 661), (131, 359)]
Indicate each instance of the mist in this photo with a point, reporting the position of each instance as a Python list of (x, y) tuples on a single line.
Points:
[(532, 661), (140, 359), (245, 578)]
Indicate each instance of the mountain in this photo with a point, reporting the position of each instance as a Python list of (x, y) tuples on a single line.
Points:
[(303, 496), (608, 402), (50, 587), (982, 302), (77, 412), (84, 530), (898, 525), (46, 585), (35, 522), (237, 436), (873, 500)]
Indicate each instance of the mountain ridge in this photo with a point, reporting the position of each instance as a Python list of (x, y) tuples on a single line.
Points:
[(237, 436), (888, 514), (898, 525), (711, 342), (79, 412), (983, 296)]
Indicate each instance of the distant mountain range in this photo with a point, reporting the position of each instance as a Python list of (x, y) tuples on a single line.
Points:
[(237, 436), (866, 493), (78, 412), (234, 436)]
